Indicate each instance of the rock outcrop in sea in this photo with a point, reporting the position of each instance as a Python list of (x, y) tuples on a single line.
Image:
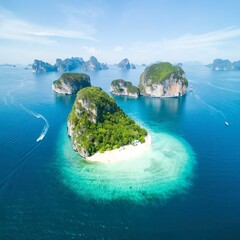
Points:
[(93, 65), (163, 80), (71, 83), (126, 65), (68, 64), (224, 65), (124, 88), (97, 124), (39, 66)]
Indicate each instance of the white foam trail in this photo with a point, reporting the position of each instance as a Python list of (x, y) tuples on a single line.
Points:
[(45, 128), (12, 101), (222, 88), (37, 115), (9, 93), (210, 106)]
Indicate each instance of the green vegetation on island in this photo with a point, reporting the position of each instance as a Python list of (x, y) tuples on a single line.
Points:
[(96, 123), (71, 83), (72, 78), (161, 71)]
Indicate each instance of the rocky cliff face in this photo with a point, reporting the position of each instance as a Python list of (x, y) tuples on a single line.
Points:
[(71, 83), (93, 65), (126, 65), (163, 80), (224, 65), (124, 88), (42, 67)]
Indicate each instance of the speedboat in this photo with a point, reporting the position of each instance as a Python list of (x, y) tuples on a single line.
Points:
[(226, 123)]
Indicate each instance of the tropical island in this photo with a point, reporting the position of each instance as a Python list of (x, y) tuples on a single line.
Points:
[(163, 80), (124, 88), (71, 83), (101, 131)]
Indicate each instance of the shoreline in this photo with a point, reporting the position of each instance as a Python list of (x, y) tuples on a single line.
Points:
[(121, 154)]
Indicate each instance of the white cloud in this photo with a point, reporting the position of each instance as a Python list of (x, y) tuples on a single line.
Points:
[(190, 47), (14, 28)]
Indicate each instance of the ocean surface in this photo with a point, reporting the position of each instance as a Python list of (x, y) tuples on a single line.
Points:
[(187, 186)]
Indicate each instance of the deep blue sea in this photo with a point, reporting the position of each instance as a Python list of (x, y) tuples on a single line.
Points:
[(187, 187)]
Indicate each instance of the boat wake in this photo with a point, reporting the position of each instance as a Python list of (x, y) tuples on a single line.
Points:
[(45, 128), (37, 115), (223, 88), (9, 99), (210, 107)]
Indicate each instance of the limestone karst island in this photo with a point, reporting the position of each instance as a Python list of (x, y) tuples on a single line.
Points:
[(163, 80), (158, 80)]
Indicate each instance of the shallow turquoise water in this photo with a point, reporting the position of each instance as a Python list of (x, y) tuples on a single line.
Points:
[(165, 169)]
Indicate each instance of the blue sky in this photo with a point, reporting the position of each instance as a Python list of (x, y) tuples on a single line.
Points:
[(143, 31)]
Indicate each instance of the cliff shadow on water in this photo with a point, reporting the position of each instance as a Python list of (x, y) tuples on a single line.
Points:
[(171, 107), (156, 110)]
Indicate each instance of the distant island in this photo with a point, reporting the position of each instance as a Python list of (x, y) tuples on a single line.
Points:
[(126, 65), (93, 65), (224, 65), (71, 83), (68, 64), (7, 65), (100, 130), (124, 88)]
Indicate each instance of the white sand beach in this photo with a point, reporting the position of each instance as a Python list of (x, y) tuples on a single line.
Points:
[(121, 154)]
